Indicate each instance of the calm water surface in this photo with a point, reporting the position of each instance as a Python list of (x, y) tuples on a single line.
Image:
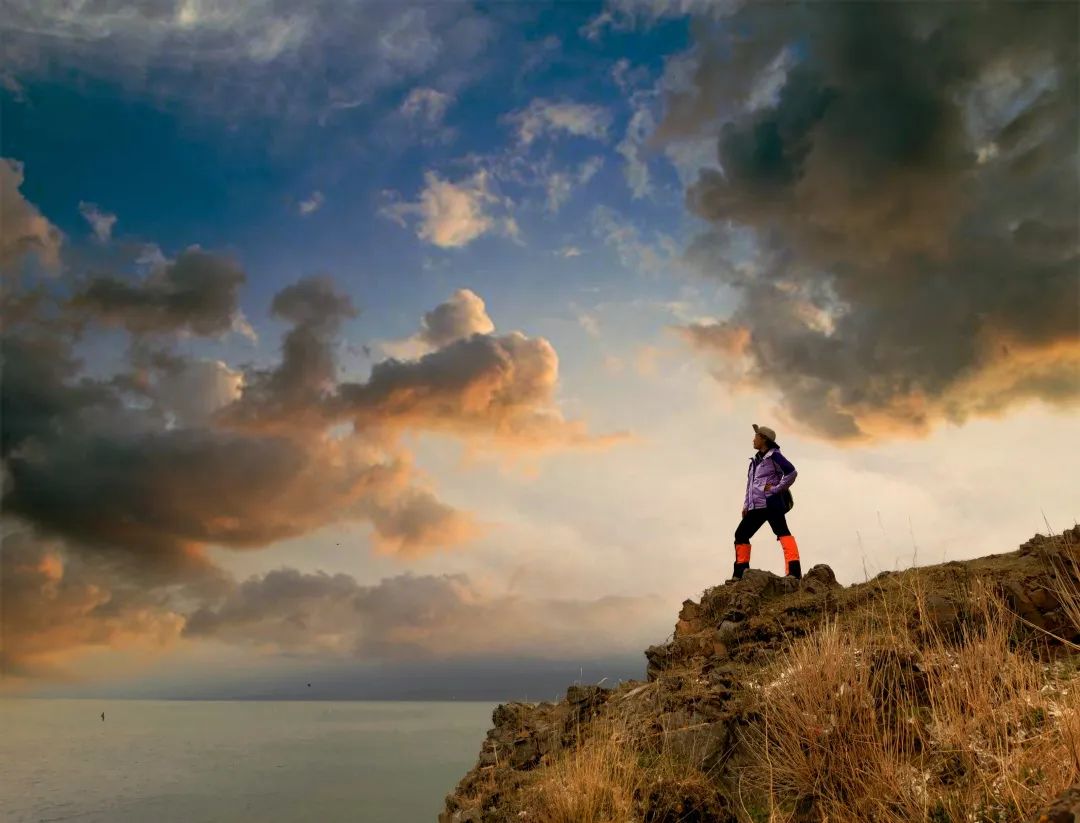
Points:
[(164, 761)]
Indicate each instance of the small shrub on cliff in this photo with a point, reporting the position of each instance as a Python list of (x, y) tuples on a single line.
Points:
[(593, 782), (623, 770)]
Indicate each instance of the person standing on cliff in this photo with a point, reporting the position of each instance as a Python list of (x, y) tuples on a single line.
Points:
[(767, 499)]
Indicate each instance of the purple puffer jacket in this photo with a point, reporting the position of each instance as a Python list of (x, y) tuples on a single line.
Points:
[(771, 467)]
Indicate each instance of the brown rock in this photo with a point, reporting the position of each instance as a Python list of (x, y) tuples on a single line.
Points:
[(659, 657), (719, 648), (727, 631), (693, 739), (1064, 809), (941, 614), (1043, 599), (819, 579), (686, 627), (689, 611), (1020, 602)]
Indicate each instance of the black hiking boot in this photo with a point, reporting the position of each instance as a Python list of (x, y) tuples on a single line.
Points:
[(794, 570), (739, 569)]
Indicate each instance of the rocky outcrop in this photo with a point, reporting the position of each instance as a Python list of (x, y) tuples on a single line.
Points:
[(522, 734), (1064, 809), (695, 699)]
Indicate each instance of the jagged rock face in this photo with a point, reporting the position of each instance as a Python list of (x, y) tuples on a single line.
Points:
[(522, 732), (696, 704), (718, 624)]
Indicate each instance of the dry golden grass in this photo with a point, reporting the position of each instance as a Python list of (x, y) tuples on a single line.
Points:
[(1065, 567), (878, 716), (593, 782), (878, 724), (622, 770)]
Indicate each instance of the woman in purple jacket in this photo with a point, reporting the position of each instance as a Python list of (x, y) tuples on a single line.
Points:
[(769, 475)]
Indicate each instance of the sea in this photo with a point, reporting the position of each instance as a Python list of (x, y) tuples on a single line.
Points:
[(159, 761)]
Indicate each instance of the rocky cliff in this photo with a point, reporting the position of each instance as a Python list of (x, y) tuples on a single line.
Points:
[(943, 693)]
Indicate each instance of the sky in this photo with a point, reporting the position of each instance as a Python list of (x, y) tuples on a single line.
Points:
[(412, 350)]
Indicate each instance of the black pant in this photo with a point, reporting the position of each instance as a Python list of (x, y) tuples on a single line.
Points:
[(753, 520)]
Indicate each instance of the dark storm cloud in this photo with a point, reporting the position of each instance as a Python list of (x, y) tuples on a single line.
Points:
[(104, 474), (914, 194), (290, 394), (196, 293)]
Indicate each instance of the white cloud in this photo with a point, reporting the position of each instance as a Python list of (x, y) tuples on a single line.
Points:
[(426, 106), (689, 157), (628, 76), (568, 251), (312, 204), (624, 15), (632, 148), (101, 222), (25, 229), (462, 316), (633, 250), (546, 117), (227, 58), (541, 54), (452, 215), (560, 185), (594, 28), (242, 327), (589, 322)]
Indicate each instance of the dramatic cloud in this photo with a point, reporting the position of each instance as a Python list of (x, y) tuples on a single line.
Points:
[(194, 294), (499, 390), (56, 604), (216, 458), (414, 617), (23, 229), (246, 56), (192, 391), (909, 177), (116, 486), (52, 605), (549, 118), (290, 395), (110, 477), (452, 215)]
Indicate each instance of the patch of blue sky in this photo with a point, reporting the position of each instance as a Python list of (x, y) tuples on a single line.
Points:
[(177, 177)]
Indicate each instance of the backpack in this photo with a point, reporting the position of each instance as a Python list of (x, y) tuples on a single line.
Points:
[(786, 495)]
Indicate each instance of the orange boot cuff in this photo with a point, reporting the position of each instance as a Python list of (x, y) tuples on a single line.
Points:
[(791, 548)]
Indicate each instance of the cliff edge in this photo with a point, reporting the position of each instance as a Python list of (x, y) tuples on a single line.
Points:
[(943, 693)]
